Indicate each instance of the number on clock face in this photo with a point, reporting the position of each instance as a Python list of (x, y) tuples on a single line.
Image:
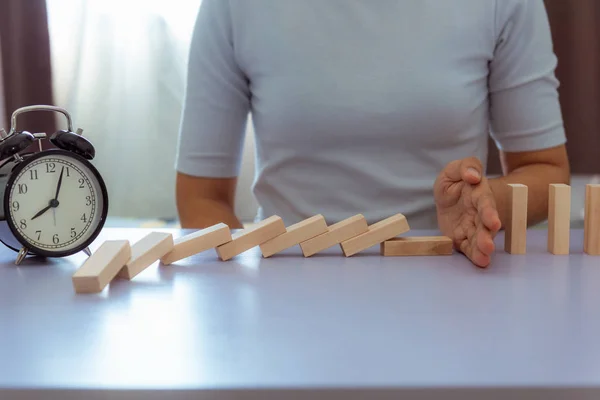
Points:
[(55, 203)]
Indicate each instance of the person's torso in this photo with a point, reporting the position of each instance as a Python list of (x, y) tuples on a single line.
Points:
[(357, 105)]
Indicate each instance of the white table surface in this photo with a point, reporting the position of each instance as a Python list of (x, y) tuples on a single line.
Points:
[(365, 327)]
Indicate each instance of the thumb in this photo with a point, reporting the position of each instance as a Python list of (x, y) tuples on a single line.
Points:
[(471, 170), (452, 171)]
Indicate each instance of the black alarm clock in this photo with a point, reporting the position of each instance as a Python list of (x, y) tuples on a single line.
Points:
[(55, 201)]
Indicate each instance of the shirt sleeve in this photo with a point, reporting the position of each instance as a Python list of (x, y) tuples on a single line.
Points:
[(216, 101), (524, 104)]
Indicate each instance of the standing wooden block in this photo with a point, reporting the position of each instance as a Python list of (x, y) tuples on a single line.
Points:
[(294, 235), (375, 234), (591, 239), (145, 252), (515, 235), (336, 233), (251, 237), (197, 242), (102, 266), (417, 246), (559, 218)]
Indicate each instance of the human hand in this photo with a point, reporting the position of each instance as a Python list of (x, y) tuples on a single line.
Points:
[(466, 209)]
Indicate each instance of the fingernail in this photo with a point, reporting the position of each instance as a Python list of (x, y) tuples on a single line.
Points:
[(474, 172)]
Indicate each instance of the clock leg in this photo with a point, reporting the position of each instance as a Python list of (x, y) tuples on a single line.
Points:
[(87, 251), (21, 256)]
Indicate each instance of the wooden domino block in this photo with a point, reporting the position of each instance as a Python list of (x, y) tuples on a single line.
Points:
[(336, 233), (591, 239), (251, 237), (197, 242), (417, 246), (375, 234), (145, 252), (559, 218), (515, 235), (295, 234), (102, 266)]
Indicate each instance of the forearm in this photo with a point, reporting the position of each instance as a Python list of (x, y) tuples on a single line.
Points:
[(204, 202), (537, 177), (202, 213)]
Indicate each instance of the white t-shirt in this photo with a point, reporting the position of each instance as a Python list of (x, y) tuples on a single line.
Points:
[(358, 104)]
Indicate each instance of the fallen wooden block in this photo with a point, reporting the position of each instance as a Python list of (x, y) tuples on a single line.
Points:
[(559, 218), (591, 239), (336, 233), (417, 246), (197, 242), (102, 266), (515, 236), (375, 234), (145, 252), (295, 234), (251, 237)]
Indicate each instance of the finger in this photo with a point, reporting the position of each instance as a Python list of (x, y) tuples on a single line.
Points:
[(471, 250), (481, 248), (487, 211), (471, 170), (448, 185), (485, 242), (479, 259), (465, 248), (468, 241), (484, 238), (451, 193), (452, 171)]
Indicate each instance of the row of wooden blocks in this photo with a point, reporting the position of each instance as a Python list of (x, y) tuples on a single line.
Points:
[(559, 219), (116, 258)]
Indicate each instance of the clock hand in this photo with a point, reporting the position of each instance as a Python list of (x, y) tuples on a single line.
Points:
[(59, 182), (52, 204), (41, 212)]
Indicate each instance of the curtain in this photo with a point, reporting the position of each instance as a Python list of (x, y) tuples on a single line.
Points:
[(575, 29), (576, 35), (26, 66), (119, 68)]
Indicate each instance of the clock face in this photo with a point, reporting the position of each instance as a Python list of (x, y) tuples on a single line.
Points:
[(57, 203)]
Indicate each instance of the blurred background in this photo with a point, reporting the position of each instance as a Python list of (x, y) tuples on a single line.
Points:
[(119, 68)]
